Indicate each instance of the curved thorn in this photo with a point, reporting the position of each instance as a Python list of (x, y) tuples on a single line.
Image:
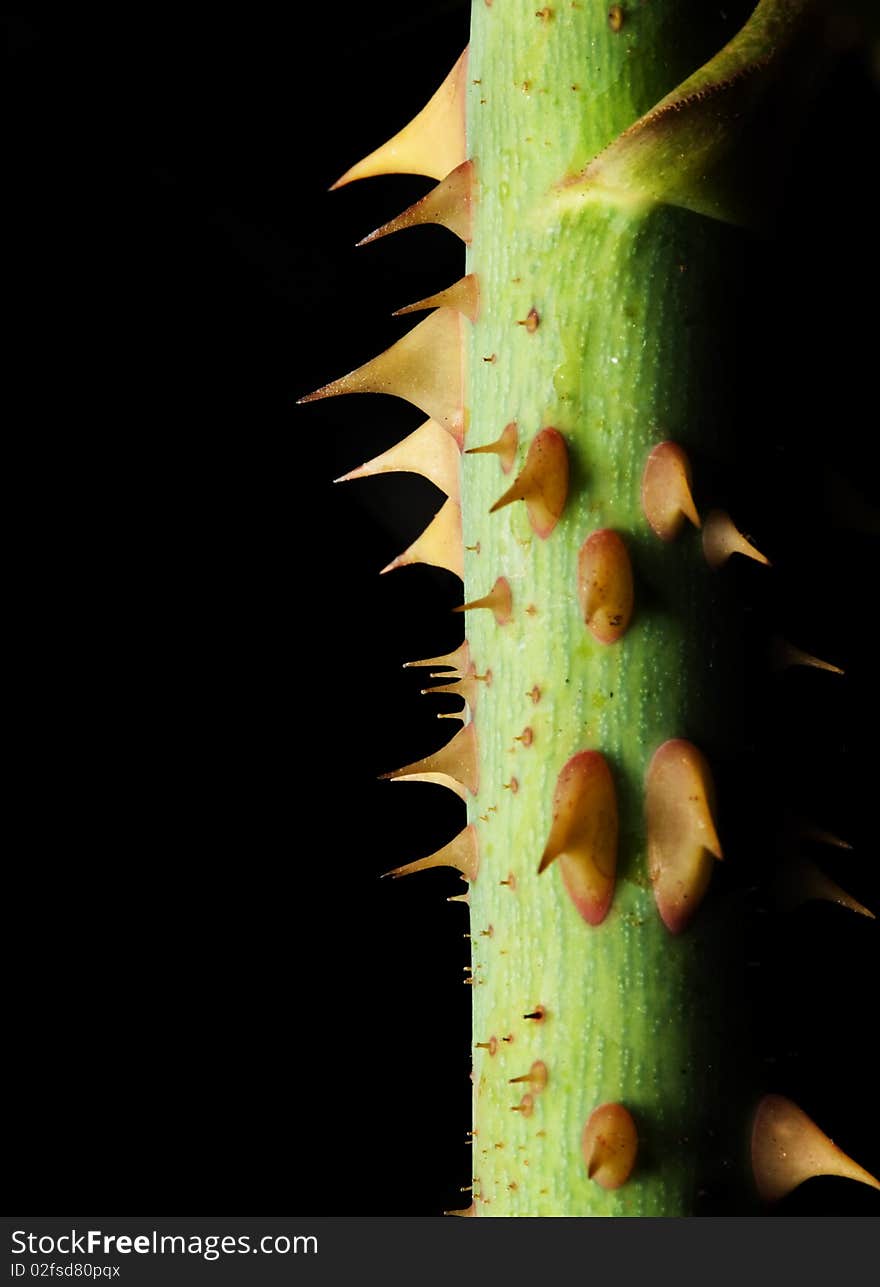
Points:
[(682, 839), (583, 834), (432, 143), (461, 853), (542, 482), (455, 765), (788, 1148), (440, 545), (429, 451), (424, 367), (504, 447), (721, 539), (449, 204), (463, 295), (666, 491)]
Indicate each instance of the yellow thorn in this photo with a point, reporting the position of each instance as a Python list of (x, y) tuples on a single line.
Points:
[(721, 539), (455, 765), (460, 853), (424, 367), (439, 545), (433, 143), (788, 1148), (463, 295), (429, 451)]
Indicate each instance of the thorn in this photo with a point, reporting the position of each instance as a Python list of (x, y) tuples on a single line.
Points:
[(818, 836), (491, 1045), (526, 1106), (537, 1014), (499, 599), (512, 786), (534, 694), (583, 834), (542, 482), (440, 544), (432, 143), (615, 17), (463, 295), (721, 539), (455, 765), (466, 1211), (531, 322), (788, 1148), (609, 1145), (666, 491), (449, 204), (536, 1077), (801, 880), (465, 688), (424, 367), (460, 853), (784, 654), (429, 451), (682, 839), (526, 737), (460, 898), (510, 882), (503, 447), (458, 661), (605, 586)]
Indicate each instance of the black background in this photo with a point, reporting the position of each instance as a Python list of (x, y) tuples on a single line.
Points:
[(215, 1001)]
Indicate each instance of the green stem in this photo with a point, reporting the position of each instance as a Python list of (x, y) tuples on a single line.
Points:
[(624, 356)]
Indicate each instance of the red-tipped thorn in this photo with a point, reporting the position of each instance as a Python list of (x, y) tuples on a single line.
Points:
[(542, 482), (432, 143), (504, 447), (449, 204), (666, 491), (682, 839), (425, 368), (788, 1148), (499, 600), (463, 295), (440, 544), (455, 765), (605, 586), (429, 451), (461, 853), (721, 539), (610, 1143), (583, 834)]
